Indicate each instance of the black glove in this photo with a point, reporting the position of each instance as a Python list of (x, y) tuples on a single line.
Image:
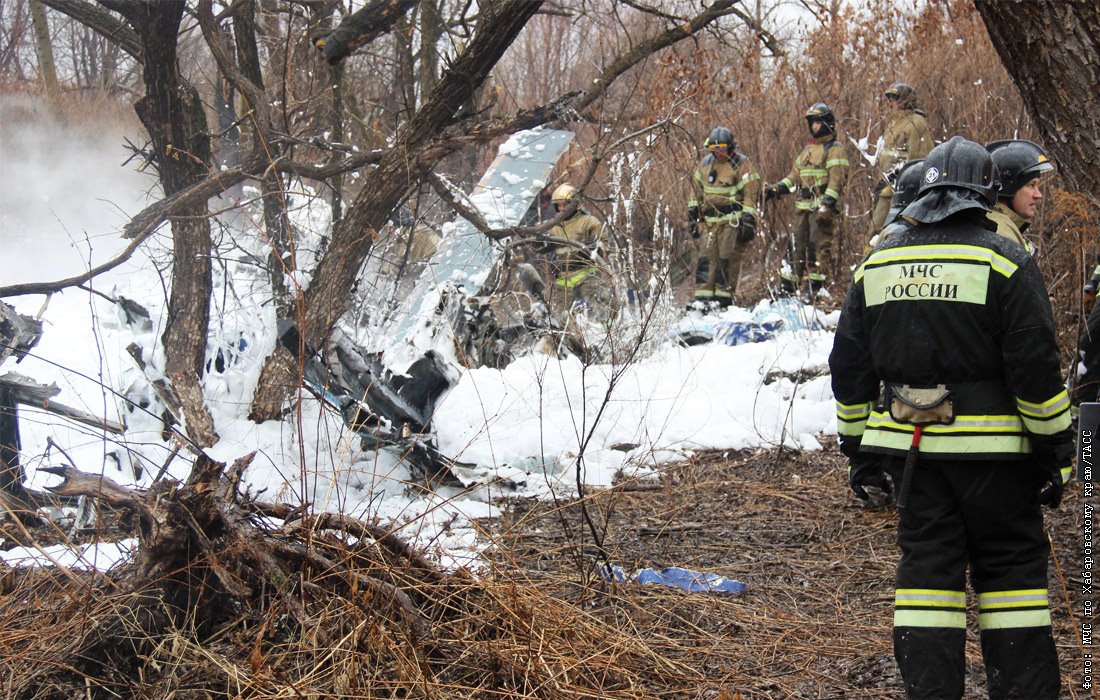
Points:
[(693, 213), (1051, 495), (1052, 489), (746, 231), (827, 210), (870, 482), (1050, 460), (771, 192), (693, 228)]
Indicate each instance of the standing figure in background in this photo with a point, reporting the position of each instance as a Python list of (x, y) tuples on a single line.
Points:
[(906, 137), (1087, 384), (1020, 164), (817, 178), (579, 280), (724, 191), (906, 185)]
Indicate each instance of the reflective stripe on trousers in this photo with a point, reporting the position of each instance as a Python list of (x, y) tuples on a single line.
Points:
[(984, 515)]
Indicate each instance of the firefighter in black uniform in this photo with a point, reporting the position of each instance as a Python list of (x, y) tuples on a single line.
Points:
[(1088, 384), (905, 186), (946, 373)]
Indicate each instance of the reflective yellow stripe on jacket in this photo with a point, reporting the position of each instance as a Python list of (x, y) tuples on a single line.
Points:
[(935, 253), (968, 434), (851, 419), (722, 189), (576, 278), (1047, 418)]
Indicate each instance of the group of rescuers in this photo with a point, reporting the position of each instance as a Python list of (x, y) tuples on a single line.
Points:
[(946, 373), (725, 192), (950, 397), (945, 369)]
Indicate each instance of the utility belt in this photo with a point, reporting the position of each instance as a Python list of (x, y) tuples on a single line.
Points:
[(713, 210), (940, 404)]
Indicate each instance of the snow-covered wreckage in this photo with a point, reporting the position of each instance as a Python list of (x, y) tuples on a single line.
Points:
[(384, 371)]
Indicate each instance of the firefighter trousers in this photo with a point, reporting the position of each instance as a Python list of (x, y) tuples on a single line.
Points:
[(724, 254), (812, 247), (1088, 387), (985, 515)]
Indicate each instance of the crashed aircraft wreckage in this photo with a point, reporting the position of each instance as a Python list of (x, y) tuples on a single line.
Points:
[(387, 394), (385, 378)]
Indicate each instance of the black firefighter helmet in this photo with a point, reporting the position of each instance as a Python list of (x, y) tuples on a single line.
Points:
[(957, 175), (1018, 163), (902, 93), (906, 185), (820, 112), (720, 137)]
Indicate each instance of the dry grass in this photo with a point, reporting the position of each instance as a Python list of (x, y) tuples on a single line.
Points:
[(539, 622), (815, 621)]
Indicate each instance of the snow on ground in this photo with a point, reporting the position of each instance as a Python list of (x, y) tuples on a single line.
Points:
[(519, 431)]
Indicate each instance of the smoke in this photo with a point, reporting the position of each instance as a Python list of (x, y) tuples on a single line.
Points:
[(64, 193)]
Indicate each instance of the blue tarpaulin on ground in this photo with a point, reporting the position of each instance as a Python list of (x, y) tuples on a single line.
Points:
[(781, 315), (739, 332), (684, 579)]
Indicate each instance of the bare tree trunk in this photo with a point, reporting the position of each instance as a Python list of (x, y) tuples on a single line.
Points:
[(431, 32), (276, 221), (328, 298), (12, 474), (406, 66), (1052, 51), (173, 115), (336, 116), (43, 48)]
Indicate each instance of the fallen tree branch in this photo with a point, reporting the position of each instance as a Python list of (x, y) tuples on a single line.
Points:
[(102, 22), (76, 483)]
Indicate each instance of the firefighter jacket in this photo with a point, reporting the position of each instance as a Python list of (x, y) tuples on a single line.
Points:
[(820, 170), (722, 189), (952, 304), (1094, 282), (570, 263), (1010, 224), (906, 137)]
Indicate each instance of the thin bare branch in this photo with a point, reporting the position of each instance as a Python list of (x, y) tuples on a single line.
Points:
[(102, 22)]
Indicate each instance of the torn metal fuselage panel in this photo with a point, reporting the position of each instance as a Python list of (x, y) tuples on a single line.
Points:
[(391, 384), (503, 195)]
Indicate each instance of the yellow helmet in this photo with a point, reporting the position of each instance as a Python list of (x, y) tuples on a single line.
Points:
[(563, 194)]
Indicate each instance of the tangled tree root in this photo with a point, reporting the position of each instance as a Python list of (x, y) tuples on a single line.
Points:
[(229, 597)]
